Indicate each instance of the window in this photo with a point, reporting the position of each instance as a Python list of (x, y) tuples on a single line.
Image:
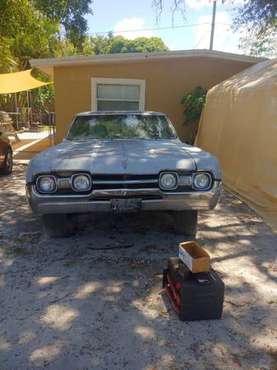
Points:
[(121, 126), (112, 94)]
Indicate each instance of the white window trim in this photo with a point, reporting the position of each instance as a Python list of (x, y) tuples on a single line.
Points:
[(117, 81)]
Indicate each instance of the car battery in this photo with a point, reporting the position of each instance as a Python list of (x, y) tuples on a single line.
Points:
[(193, 296)]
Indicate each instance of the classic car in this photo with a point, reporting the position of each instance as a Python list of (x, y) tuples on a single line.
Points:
[(6, 154), (121, 162)]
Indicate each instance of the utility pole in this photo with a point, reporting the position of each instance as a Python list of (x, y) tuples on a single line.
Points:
[(213, 25)]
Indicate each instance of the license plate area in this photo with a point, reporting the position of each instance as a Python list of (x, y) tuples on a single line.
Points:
[(126, 205)]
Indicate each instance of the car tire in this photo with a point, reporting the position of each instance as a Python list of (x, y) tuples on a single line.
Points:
[(185, 222), (8, 163), (59, 225)]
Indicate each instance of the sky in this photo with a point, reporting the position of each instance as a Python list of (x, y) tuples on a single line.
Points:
[(127, 17)]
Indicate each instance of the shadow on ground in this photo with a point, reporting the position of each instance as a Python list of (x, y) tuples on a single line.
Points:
[(94, 301)]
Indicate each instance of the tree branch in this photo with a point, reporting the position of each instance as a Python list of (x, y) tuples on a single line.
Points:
[(176, 6)]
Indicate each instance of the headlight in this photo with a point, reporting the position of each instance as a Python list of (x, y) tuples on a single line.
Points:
[(202, 181), (46, 184), (168, 181), (81, 183)]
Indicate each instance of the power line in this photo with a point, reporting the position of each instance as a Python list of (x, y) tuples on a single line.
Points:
[(154, 29)]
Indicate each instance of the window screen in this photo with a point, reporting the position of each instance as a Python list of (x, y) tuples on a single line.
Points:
[(116, 97)]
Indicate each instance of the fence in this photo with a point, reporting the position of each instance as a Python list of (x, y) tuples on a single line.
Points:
[(27, 118)]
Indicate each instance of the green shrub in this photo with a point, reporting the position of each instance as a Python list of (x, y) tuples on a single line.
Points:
[(193, 103)]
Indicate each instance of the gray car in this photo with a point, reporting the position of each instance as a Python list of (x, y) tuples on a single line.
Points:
[(121, 162)]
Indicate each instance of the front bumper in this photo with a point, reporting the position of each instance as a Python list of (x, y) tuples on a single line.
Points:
[(100, 200)]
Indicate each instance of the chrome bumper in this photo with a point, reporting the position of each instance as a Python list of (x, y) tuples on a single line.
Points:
[(97, 201)]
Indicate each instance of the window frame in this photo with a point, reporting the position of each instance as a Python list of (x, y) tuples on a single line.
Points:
[(117, 81)]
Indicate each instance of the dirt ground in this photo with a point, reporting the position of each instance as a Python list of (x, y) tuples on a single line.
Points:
[(95, 301)]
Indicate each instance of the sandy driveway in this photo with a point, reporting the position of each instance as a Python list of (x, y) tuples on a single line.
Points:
[(65, 304), (31, 143)]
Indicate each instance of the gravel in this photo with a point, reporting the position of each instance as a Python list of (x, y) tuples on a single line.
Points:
[(94, 301)]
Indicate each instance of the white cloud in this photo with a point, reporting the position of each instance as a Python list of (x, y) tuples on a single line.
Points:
[(197, 4), (224, 38), (128, 27)]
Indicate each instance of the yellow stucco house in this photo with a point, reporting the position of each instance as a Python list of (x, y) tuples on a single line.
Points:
[(137, 81)]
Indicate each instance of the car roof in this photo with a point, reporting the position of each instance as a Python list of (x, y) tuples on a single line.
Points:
[(103, 113)]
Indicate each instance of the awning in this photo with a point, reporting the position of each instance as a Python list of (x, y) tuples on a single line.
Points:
[(19, 81)]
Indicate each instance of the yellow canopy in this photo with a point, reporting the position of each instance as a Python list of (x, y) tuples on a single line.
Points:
[(19, 81)]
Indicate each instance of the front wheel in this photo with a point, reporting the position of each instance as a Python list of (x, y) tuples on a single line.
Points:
[(185, 222), (59, 225), (8, 163)]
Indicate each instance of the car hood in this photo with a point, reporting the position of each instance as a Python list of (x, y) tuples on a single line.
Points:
[(122, 157), (115, 156)]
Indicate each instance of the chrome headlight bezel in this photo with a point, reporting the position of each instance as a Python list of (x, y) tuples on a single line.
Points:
[(174, 174), (209, 184), (73, 179), (54, 181)]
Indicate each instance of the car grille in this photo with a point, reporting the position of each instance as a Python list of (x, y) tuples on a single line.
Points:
[(106, 186), (106, 182)]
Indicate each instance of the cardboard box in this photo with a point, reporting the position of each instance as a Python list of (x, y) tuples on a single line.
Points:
[(194, 257)]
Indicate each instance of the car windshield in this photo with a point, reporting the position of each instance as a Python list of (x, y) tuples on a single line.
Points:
[(121, 126)]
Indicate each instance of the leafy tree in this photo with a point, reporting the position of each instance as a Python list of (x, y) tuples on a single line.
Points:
[(49, 28), (146, 45), (65, 48), (43, 98), (263, 45), (7, 62), (34, 29), (118, 44), (70, 14), (26, 32), (257, 19), (260, 15), (98, 45)]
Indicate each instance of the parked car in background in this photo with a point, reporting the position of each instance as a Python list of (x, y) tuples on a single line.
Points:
[(122, 162), (6, 154)]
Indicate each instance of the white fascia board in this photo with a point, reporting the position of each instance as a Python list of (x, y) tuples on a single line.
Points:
[(132, 57)]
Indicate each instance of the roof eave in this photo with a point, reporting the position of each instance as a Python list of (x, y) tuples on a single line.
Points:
[(48, 64)]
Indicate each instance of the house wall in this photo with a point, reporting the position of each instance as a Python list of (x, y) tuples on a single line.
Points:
[(166, 82)]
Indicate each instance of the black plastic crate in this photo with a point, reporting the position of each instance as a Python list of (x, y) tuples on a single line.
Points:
[(193, 296)]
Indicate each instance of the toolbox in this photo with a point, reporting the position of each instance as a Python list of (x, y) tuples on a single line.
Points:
[(194, 296)]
